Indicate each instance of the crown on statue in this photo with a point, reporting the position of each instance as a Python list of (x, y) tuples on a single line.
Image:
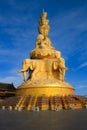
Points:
[(43, 23)]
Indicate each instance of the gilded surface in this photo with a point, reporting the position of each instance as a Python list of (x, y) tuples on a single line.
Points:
[(46, 68)]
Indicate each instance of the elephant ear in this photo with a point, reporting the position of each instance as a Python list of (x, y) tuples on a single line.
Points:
[(32, 66), (55, 65)]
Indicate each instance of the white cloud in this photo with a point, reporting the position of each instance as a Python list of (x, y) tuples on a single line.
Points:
[(11, 53), (82, 87), (82, 65)]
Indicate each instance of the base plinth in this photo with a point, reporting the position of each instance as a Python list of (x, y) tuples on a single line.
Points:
[(45, 87)]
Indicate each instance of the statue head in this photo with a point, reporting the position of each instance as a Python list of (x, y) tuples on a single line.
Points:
[(44, 30)]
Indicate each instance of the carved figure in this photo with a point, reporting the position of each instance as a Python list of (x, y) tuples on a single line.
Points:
[(26, 66), (44, 29), (39, 41), (44, 72), (42, 42), (60, 66), (34, 67), (45, 50)]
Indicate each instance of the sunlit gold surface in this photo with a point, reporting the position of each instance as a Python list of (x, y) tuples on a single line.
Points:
[(49, 91), (46, 67)]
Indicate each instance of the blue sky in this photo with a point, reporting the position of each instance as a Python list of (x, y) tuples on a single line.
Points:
[(18, 32)]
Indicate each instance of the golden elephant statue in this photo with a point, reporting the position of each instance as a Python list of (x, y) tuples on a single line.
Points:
[(26, 66), (35, 68), (59, 65)]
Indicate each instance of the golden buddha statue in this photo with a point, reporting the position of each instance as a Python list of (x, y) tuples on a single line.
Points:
[(46, 68)]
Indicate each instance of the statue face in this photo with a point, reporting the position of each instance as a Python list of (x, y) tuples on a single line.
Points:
[(44, 31), (41, 31)]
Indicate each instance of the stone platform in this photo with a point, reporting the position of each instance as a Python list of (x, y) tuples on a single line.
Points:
[(48, 120), (43, 102)]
